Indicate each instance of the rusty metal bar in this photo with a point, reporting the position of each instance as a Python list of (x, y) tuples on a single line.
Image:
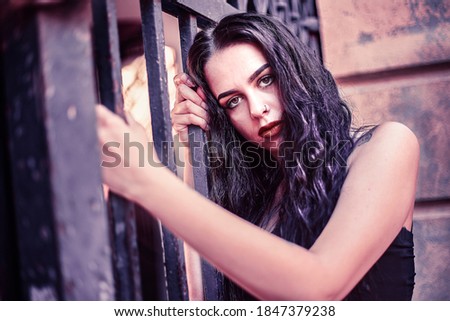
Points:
[(61, 222), (204, 11), (213, 10), (151, 256), (29, 161), (153, 36), (121, 212), (197, 140), (67, 72), (9, 265), (9, 268), (107, 54)]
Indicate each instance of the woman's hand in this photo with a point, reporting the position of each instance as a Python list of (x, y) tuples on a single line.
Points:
[(189, 108), (125, 152)]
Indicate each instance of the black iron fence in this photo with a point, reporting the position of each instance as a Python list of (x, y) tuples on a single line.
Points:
[(59, 240)]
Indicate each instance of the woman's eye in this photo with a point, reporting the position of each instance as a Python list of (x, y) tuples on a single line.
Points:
[(233, 102), (265, 81)]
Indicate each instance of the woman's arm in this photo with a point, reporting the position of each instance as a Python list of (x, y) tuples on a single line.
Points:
[(376, 198)]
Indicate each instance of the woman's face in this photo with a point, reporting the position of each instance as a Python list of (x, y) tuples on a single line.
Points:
[(243, 83)]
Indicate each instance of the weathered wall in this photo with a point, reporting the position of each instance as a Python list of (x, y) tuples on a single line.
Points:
[(391, 59)]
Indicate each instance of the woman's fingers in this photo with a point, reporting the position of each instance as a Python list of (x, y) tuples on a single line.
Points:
[(188, 90), (181, 121), (186, 93), (112, 129), (183, 78), (201, 93), (189, 107), (187, 113), (121, 164)]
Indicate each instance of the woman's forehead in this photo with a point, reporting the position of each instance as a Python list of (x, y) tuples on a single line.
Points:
[(233, 64)]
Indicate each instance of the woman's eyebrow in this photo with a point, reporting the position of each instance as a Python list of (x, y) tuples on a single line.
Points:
[(257, 72), (226, 93), (250, 79)]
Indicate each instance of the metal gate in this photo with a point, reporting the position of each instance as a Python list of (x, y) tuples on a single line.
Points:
[(59, 240)]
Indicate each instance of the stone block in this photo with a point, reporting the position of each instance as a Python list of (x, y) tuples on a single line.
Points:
[(431, 240), (421, 103), (369, 36)]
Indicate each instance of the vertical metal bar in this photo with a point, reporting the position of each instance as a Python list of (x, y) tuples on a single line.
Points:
[(62, 224), (106, 40), (188, 30), (121, 212), (151, 256), (153, 36), (9, 275), (66, 57), (31, 188)]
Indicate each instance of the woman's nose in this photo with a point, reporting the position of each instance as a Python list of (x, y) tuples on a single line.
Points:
[(258, 109)]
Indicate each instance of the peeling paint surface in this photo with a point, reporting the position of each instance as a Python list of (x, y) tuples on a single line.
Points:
[(369, 36), (392, 62)]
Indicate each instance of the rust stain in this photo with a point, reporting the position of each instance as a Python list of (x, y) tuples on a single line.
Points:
[(365, 37), (428, 14)]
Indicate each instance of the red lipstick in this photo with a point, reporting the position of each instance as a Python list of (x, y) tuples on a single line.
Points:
[(271, 129)]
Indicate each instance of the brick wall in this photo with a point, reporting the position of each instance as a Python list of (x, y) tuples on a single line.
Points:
[(391, 59)]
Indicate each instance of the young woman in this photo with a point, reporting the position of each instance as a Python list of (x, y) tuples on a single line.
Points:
[(309, 208)]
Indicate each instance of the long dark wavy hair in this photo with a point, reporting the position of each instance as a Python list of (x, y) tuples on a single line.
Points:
[(317, 136)]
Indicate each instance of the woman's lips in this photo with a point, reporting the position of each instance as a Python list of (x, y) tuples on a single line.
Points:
[(271, 129)]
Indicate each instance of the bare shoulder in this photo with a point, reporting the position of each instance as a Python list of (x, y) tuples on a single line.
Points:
[(388, 141), (395, 131), (382, 177)]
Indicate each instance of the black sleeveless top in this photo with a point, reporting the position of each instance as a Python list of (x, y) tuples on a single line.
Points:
[(392, 276), (390, 279)]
